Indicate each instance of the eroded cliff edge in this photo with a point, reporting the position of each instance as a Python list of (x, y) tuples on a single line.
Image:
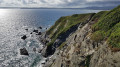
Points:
[(84, 40)]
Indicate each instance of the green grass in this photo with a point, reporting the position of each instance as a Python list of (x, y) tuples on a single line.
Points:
[(108, 26), (98, 36), (114, 38), (65, 23), (108, 21), (99, 15)]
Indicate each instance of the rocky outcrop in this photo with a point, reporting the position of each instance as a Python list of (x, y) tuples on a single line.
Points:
[(36, 31), (23, 51), (44, 39), (40, 27), (24, 37)]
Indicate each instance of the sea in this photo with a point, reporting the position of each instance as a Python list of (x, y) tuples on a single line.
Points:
[(13, 25)]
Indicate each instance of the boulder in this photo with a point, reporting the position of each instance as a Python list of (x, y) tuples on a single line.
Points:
[(40, 27), (23, 51), (39, 51), (36, 31), (44, 52), (39, 33), (26, 29), (43, 63), (24, 37)]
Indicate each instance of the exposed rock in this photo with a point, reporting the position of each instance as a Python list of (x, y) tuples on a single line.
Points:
[(36, 31), (24, 37), (39, 33), (40, 27), (23, 51), (40, 50), (62, 37), (43, 38), (43, 63), (43, 52), (46, 51), (26, 29)]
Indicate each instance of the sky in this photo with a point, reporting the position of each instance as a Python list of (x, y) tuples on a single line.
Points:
[(59, 3)]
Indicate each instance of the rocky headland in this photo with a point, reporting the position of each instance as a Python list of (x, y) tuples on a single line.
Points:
[(83, 40)]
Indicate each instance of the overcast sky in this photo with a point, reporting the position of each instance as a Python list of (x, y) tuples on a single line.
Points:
[(59, 3)]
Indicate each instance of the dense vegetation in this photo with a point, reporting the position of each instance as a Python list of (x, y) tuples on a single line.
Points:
[(108, 27)]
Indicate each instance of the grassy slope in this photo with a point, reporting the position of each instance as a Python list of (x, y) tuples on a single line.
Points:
[(108, 27), (64, 23)]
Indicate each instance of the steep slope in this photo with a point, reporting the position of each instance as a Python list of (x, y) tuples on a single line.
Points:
[(108, 28), (65, 26), (95, 42)]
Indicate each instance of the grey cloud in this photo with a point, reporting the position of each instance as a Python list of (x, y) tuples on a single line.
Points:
[(58, 3), (104, 3)]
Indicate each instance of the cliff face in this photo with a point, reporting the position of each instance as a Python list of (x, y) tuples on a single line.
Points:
[(62, 29), (93, 42)]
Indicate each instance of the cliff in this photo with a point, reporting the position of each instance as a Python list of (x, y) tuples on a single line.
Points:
[(84, 40)]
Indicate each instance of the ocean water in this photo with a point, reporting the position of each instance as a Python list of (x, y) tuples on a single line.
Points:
[(13, 23)]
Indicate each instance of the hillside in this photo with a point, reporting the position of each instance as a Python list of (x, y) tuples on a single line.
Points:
[(84, 40)]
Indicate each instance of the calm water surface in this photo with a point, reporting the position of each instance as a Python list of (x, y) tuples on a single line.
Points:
[(13, 23)]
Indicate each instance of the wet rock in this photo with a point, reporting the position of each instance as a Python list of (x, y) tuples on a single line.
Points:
[(31, 33), (26, 29), (36, 31), (23, 51), (40, 27), (43, 63), (39, 33), (24, 37), (44, 52), (39, 51)]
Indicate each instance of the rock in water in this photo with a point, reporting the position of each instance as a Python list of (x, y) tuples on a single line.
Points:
[(39, 33), (26, 29), (40, 27), (36, 31), (23, 51), (24, 37)]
